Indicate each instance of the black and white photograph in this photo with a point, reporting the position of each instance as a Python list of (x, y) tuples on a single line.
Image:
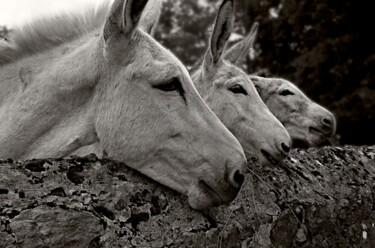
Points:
[(187, 123)]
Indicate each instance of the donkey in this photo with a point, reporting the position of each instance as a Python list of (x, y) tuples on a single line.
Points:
[(308, 123), (231, 95), (109, 81)]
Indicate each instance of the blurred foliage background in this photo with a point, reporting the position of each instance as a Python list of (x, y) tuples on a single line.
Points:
[(324, 46)]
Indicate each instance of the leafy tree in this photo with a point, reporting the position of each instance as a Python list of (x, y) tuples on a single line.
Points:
[(325, 48), (183, 28)]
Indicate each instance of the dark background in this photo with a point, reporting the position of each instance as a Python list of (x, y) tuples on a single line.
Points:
[(326, 47)]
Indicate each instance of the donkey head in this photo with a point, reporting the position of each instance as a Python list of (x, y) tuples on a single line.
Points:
[(151, 116), (231, 95), (308, 123)]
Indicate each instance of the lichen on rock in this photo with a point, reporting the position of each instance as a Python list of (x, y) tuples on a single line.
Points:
[(315, 198)]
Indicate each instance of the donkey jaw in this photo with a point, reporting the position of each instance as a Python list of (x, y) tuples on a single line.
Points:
[(318, 136), (202, 196), (270, 158)]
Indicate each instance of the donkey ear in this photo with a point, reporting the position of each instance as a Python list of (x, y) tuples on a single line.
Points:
[(150, 16), (222, 30), (123, 17), (254, 78), (239, 51), (258, 82)]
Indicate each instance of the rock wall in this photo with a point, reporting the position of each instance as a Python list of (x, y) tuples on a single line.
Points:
[(316, 198)]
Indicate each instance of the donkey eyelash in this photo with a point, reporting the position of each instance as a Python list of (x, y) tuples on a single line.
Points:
[(172, 85), (238, 89), (286, 93)]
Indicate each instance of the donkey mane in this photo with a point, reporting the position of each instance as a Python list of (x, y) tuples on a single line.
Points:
[(48, 32)]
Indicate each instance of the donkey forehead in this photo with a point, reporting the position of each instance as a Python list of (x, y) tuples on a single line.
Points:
[(295, 89), (274, 85), (286, 83), (229, 73)]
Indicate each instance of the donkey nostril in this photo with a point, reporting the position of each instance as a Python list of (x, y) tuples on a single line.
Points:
[(327, 122), (237, 179), (285, 147)]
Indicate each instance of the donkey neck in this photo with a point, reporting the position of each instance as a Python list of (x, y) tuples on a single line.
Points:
[(49, 112)]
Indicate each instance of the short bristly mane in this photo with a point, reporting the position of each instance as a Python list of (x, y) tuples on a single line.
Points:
[(45, 33)]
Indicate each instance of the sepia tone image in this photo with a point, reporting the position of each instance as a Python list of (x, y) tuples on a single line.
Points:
[(187, 123)]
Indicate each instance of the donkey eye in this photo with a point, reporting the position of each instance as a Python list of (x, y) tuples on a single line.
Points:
[(286, 93), (172, 85), (238, 89)]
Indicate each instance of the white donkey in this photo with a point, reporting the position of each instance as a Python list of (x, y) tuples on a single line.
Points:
[(308, 123), (231, 95), (68, 82)]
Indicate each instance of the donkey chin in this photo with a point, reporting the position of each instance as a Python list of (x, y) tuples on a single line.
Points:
[(318, 137), (313, 137), (203, 196)]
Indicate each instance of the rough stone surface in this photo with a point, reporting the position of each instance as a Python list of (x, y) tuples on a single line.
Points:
[(316, 198), (37, 227)]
